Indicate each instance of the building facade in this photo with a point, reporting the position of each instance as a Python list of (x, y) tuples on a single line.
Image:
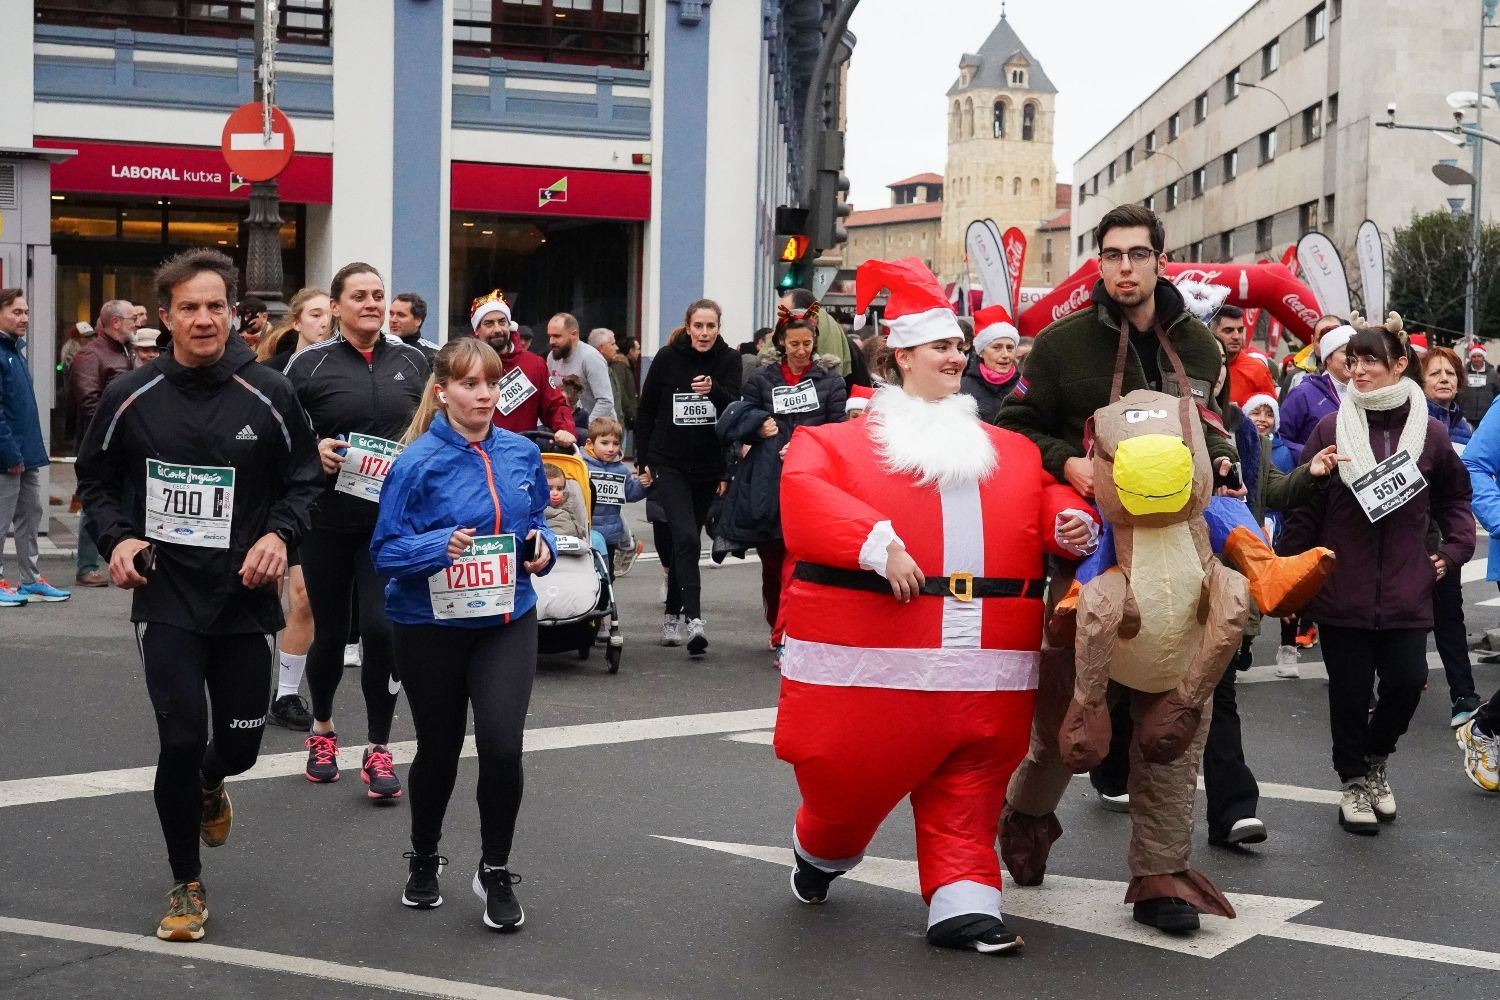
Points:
[(1271, 130), (613, 158)]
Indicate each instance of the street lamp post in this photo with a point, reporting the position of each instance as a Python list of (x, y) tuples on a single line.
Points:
[(263, 271), (1268, 90)]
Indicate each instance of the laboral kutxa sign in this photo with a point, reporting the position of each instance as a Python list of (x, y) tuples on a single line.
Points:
[(197, 172)]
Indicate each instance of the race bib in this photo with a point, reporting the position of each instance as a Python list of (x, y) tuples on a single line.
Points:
[(801, 398), (189, 504), (689, 409), (482, 583), (1476, 381), (1388, 486), (367, 460), (609, 488), (515, 389)]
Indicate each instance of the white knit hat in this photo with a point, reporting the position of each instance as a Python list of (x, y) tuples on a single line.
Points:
[(1333, 340)]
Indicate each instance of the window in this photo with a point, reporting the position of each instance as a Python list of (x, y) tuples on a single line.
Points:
[(1129, 160), (1307, 217), (954, 121), (1312, 123), (1171, 196), (1110, 172), (1338, 10), (1270, 58), (969, 118), (304, 22), (1200, 109), (1083, 193), (1036, 186), (1328, 210), (1333, 108), (1018, 77), (1000, 109), (1232, 85), (1028, 123), (580, 32), (1015, 188), (1096, 185), (1262, 235), (1150, 202), (1150, 144), (1199, 176), (1195, 252), (1231, 165), (1174, 126), (1317, 24), (1080, 244), (1267, 146), (1047, 251), (1226, 245)]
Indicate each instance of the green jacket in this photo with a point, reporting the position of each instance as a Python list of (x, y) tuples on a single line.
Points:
[(1067, 376), (622, 382)]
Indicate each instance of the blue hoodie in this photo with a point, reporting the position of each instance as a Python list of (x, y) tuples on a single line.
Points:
[(607, 519), (441, 483), (20, 426)]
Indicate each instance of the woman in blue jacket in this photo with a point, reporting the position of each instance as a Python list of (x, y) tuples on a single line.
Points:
[(460, 534)]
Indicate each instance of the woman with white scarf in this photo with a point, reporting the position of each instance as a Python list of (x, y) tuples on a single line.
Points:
[(1375, 610)]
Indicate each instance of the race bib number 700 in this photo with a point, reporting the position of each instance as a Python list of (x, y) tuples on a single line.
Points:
[(189, 504)]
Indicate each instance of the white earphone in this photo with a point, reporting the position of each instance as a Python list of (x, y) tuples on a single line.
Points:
[(442, 397)]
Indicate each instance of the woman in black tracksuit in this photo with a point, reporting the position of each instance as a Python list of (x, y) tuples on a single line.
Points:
[(690, 382), (359, 382)]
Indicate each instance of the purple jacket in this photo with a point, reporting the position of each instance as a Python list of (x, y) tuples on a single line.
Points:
[(1383, 579), (1308, 402)]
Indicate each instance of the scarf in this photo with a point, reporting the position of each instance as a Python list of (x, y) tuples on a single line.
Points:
[(941, 443), (1353, 432)]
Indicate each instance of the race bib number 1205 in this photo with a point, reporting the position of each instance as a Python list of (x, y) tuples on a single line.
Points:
[(480, 584)]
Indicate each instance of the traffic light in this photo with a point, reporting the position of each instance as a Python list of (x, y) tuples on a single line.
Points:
[(794, 256), (829, 206)]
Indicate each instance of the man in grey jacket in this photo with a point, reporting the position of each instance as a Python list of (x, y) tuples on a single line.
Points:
[(570, 356)]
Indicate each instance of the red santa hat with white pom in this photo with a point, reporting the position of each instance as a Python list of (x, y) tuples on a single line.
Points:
[(993, 323), (916, 310)]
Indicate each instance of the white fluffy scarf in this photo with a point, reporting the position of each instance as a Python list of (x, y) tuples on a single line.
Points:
[(1353, 432), (941, 442)]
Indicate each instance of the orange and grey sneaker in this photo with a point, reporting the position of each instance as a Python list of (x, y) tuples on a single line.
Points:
[(218, 814), (187, 911)]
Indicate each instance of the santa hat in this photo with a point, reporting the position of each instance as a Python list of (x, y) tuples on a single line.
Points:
[(859, 398), (1333, 340), (1477, 348), (481, 307), (1418, 342), (993, 323), (1264, 399), (916, 311)]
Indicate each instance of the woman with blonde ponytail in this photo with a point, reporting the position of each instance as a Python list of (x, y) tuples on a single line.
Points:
[(460, 534)]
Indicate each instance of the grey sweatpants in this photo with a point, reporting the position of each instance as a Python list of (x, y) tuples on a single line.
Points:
[(21, 513)]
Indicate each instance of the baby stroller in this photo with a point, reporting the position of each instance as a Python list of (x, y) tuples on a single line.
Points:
[(575, 598)]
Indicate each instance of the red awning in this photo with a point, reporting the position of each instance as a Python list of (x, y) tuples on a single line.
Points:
[(196, 172), (543, 191)]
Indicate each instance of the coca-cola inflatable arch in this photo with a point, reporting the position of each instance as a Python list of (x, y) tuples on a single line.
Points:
[(1251, 286)]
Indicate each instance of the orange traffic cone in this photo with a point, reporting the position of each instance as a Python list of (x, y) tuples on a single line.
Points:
[(1280, 585)]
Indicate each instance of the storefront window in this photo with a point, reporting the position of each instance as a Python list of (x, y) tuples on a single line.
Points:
[(309, 22), (203, 228), (85, 222), (587, 32)]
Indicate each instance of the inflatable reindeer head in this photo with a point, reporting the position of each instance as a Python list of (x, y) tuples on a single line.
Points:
[(1151, 464)]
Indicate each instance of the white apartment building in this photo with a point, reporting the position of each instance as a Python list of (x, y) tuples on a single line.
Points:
[(1270, 131)]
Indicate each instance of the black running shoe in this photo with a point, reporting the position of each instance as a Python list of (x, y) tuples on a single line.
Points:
[(379, 772), (981, 932), (1169, 914), (422, 883), (290, 711), (502, 910), (809, 882), (322, 758)]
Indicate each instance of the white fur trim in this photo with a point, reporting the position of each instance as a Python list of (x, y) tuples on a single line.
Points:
[(873, 554), (1264, 399), (1067, 515), (919, 669), (1333, 340), (829, 865), (485, 310), (1202, 299), (856, 403), (941, 443), (922, 328), (994, 332), (959, 899)]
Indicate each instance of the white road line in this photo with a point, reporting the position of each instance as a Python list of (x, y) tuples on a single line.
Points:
[(313, 968), (1474, 570), (1375, 944), (1310, 670), (55, 788), (762, 737)]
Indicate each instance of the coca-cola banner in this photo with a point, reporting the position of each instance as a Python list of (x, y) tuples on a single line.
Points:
[(987, 258), (1251, 286), (1014, 243), (1323, 270)]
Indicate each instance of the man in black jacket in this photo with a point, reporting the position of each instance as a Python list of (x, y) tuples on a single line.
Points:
[(198, 473)]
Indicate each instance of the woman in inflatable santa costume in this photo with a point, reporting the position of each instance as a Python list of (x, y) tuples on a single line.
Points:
[(915, 617)]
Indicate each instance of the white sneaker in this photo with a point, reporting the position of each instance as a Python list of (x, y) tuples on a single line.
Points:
[(1115, 803), (1382, 799), (1356, 811), (1286, 662), (1481, 756), (671, 633), (697, 642), (354, 654)]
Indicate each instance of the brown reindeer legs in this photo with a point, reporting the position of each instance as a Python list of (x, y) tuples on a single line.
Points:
[(1106, 614)]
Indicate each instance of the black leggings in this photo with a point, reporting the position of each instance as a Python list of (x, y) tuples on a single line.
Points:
[(448, 668), (684, 511), (332, 563), (1354, 658), (236, 670)]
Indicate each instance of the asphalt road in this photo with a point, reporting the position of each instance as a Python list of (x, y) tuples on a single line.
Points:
[(305, 898)]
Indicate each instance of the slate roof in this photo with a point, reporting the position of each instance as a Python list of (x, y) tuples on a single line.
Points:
[(991, 58)]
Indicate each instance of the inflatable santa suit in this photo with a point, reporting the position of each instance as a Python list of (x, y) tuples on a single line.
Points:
[(930, 696)]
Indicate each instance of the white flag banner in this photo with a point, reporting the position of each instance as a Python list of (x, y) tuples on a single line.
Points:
[(1371, 253), (987, 257), (1323, 270)]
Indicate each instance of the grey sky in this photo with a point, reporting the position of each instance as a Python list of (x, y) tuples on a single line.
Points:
[(1104, 58)]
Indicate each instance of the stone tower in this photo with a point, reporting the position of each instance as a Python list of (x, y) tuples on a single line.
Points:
[(1000, 114)]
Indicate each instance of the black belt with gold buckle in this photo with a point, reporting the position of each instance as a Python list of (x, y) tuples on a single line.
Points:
[(962, 586)]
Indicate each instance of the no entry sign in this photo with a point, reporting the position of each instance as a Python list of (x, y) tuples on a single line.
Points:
[(246, 149)]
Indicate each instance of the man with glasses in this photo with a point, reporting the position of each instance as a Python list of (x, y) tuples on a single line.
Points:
[(1068, 376)]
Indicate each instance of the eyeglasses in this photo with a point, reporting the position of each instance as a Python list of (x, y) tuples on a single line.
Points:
[(1138, 255), (1358, 363)]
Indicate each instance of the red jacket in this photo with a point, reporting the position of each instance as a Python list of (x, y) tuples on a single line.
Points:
[(541, 405)]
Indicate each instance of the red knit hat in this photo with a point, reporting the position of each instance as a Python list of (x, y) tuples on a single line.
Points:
[(916, 311), (993, 323)]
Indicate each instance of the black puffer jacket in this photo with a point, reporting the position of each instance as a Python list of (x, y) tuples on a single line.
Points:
[(691, 448), (344, 393), (232, 413), (988, 395)]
